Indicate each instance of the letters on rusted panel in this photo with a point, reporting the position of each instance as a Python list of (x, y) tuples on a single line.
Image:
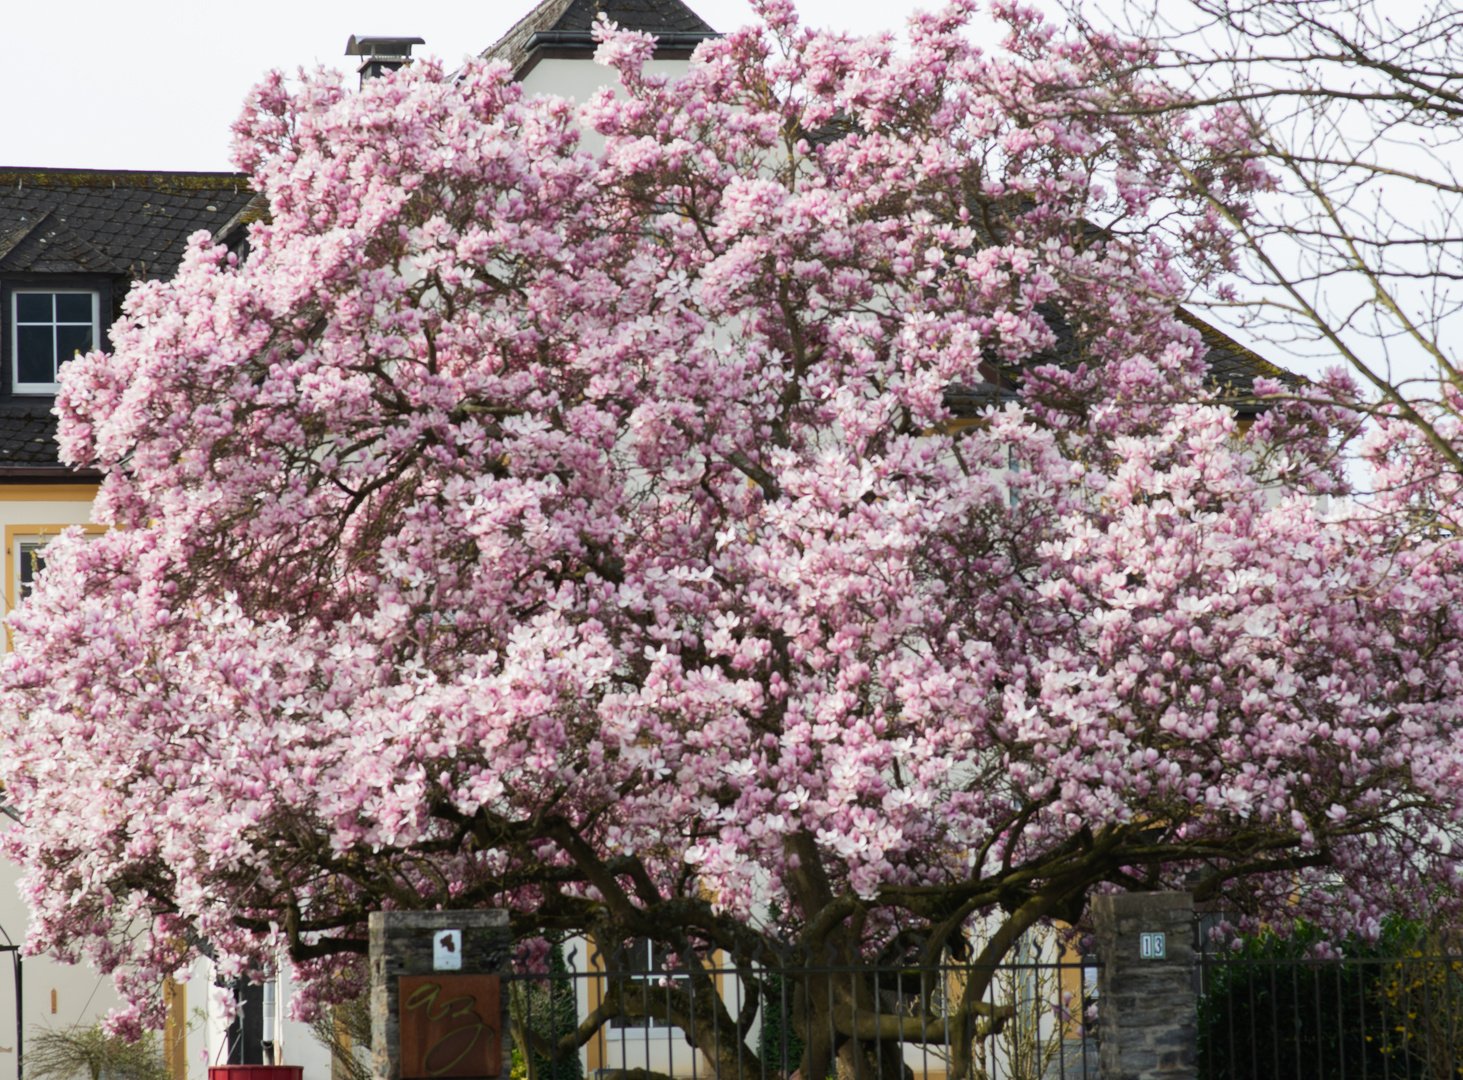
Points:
[(449, 1026)]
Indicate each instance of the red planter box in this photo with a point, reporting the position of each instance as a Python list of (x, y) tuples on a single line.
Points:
[(256, 1072)]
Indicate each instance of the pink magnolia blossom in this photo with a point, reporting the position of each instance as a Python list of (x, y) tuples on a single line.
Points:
[(585, 532)]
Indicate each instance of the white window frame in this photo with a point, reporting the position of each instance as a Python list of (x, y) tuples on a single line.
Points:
[(652, 977), (19, 387), (22, 548)]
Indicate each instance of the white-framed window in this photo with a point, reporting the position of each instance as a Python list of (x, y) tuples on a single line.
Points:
[(25, 550), (643, 964), (47, 328), (30, 561)]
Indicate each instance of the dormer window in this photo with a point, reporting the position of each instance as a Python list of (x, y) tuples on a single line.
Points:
[(49, 327)]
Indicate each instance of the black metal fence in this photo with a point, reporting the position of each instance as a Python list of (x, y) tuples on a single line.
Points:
[(1360, 1018), (641, 1014)]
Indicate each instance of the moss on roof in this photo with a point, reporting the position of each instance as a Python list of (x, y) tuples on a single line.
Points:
[(71, 179)]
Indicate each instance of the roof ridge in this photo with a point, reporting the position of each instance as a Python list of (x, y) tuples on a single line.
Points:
[(514, 41), (7, 170)]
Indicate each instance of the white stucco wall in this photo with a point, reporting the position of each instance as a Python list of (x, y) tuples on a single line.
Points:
[(579, 78), (54, 996)]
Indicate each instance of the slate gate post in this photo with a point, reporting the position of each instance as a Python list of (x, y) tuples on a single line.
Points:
[(1147, 986), (442, 946)]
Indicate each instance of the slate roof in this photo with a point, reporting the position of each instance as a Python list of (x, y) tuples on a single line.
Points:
[(111, 222), (44, 244), (563, 28), (27, 434), (1233, 368), (129, 225)]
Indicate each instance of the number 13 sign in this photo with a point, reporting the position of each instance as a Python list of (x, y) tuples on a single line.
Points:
[(449, 1026)]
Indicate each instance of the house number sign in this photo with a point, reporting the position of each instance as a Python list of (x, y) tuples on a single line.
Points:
[(1152, 946), (449, 1026)]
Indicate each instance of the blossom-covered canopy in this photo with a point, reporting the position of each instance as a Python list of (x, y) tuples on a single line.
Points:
[(578, 526)]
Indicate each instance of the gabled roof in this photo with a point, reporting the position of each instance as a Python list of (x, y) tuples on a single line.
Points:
[(565, 28), (109, 221)]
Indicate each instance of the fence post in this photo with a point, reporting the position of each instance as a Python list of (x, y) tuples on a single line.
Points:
[(1147, 986), (453, 956)]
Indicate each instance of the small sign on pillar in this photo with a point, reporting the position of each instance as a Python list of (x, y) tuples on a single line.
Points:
[(447, 950), (1152, 946)]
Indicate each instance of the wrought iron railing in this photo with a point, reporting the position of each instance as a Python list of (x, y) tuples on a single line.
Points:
[(639, 1014)]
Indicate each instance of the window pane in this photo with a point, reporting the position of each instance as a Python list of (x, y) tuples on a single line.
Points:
[(73, 307), (35, 359), (31, 564), (33, 307), (71, 340), (642, 962)]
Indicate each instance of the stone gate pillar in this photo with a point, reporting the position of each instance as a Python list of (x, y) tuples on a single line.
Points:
[(435, 994), (1147, 986)]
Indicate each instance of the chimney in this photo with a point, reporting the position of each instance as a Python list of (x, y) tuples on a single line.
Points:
[(380, 54)]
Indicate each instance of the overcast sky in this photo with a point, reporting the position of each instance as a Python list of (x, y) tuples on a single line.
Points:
[(155, 84)]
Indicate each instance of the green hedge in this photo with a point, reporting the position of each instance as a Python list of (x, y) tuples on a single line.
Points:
[(1384, 1009)]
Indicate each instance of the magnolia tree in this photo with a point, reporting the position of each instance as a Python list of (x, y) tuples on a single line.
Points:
[(577, 525)]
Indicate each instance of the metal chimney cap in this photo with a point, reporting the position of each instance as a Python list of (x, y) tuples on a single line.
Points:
[(381, 46)]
